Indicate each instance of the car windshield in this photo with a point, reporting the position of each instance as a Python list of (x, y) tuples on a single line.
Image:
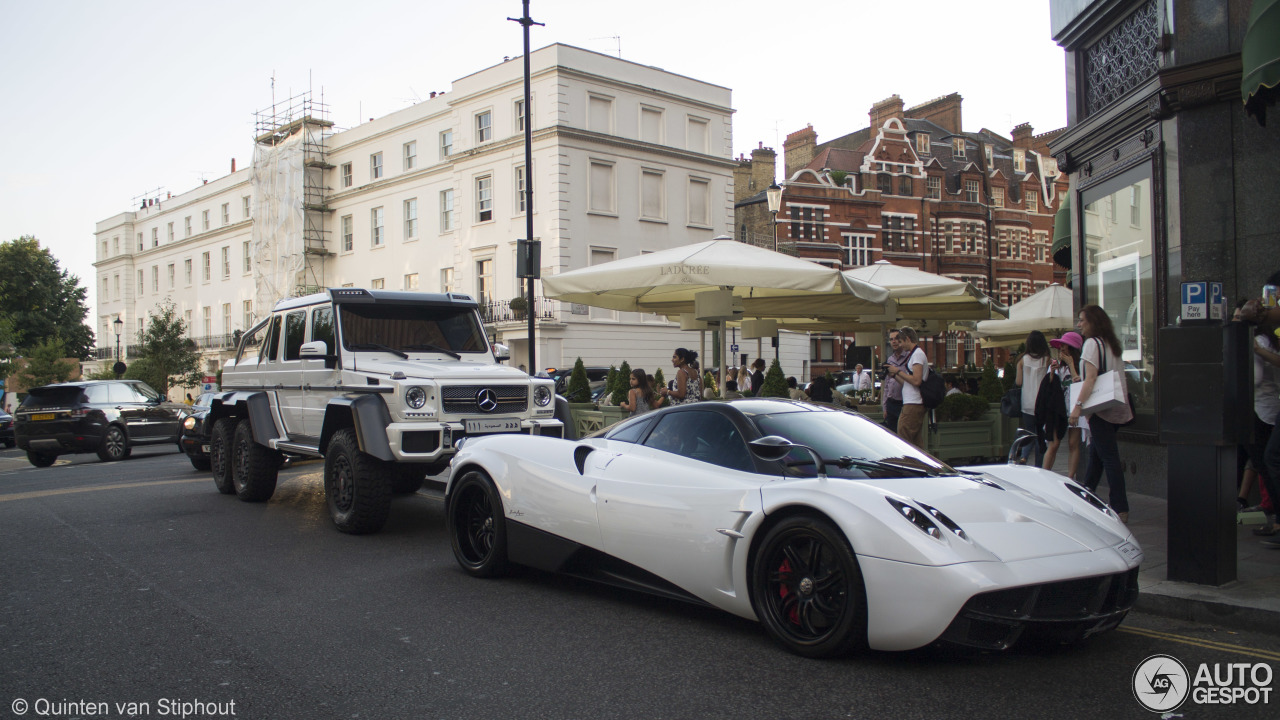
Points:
[(411, 328), (871, 450)]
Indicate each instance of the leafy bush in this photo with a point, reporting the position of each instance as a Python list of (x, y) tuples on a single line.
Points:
[(658, 380), (709, 381), (989, 387), (579, 389), (775, 383), (962, 407), (621, 384), (1010, 376)]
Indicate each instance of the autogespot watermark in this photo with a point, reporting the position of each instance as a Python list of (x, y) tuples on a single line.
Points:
[(164, 707), (1161, 683)]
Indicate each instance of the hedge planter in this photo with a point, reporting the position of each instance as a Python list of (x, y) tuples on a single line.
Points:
[(956, 439)]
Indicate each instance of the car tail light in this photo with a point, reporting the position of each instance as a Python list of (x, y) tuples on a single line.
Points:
[(80, 412)]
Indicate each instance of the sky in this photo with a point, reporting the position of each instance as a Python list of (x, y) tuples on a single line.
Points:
[(108, 101)]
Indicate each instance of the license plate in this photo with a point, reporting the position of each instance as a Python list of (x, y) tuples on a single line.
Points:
[(492, 425), (1130, 551), (44, 416), (205, 449)]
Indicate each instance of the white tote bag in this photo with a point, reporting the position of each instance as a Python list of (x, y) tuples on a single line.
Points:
[(1108, 390)]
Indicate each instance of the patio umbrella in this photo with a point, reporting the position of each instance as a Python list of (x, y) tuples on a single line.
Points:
[(768, 284), (1050, 310)]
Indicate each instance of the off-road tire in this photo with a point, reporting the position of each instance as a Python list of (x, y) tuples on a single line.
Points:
[(407, 479), (221, 440), (115, 445), (476, 526), (254, 467), (40, 459), (357, 486)]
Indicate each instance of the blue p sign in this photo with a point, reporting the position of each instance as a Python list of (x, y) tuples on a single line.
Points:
[(1195, 301)]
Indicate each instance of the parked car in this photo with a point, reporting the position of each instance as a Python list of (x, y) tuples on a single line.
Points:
[(6, 429), (195, 435), (108, 417), (826, 528), (561, 377)]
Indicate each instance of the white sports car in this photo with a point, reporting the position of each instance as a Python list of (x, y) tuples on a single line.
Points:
[(817, 522)]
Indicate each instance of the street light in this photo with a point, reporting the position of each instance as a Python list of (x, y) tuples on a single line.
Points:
[(119, 325), (774, 195)]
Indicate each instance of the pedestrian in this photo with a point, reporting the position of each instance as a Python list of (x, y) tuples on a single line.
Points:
[(1067, 368), (1101, 353), (793, 389), (861, 379), (1266, 409), (731, 390), (1032, 368), (189, 401), (891, 386), (913, 371), (744, 380), (820, 390), (949, 382), (687, 386), (640, 397), (757, 376)]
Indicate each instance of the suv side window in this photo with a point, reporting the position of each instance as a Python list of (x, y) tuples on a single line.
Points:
[(96, 394), (122, 393), (272, 341), (295, 325), (322, 328), (145, 393), (251, 346)]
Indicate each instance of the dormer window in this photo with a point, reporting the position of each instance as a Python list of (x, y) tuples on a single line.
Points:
[(957, 148), (923, 144), (1020, 160)]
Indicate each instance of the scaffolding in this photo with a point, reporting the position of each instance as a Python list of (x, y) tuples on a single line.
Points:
[(291, 200)]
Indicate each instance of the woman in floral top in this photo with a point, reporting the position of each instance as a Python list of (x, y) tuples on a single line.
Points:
[(688, 383)]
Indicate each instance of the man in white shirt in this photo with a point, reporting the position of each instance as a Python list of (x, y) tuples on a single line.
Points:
[(861, 379), (911, 374)]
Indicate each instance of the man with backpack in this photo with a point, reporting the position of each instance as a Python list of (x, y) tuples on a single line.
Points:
[(913, 375)]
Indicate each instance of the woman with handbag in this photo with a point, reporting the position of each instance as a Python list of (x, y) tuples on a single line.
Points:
[(1032, 367), (1067, 369), (1101, 354)]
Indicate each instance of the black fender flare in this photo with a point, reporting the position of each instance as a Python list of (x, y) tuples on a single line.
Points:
[(253, 404), (368, 415)]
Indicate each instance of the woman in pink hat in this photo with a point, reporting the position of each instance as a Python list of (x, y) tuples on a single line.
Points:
[(1067, 367)]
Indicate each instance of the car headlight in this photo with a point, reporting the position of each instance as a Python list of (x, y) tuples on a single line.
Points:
[(415, 397), (542, 395), (189, 423)]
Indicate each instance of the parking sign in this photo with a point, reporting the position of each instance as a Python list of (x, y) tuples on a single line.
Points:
[(1195, 300)]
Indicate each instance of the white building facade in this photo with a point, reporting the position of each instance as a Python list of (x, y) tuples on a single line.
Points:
[(627, 159)]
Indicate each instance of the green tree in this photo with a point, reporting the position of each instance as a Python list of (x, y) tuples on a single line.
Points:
[(579, 389), (47, 363), (621, 384), (775, 383), (658, 380), (610, 382), (709, 383), (171, 358), (1010, 376), (40, 301), (8, 348), (989, 386), (103, 373)]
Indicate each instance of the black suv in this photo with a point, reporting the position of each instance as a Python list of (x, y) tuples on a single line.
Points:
[(108, 417)]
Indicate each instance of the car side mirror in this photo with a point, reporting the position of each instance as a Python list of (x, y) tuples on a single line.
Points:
[(771, 448), (318, 350), (501, 352)]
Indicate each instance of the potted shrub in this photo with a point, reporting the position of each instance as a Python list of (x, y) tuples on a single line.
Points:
[(775, 384), (617, 392), (966, 428), (519, 306)]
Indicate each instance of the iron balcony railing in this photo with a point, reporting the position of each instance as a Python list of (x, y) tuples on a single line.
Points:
[(511, 311)]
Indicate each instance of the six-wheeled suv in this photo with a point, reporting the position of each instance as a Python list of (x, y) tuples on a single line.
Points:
[(108, 417), (380, 384)]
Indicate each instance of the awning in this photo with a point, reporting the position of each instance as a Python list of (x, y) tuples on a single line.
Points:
[(1061, 247), (1260, 59)]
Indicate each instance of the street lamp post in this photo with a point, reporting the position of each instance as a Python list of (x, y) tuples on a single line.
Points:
[(118, 324), (774, 195)]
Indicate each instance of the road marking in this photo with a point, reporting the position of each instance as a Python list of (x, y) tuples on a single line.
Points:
[(95, 488), (1210, 644)]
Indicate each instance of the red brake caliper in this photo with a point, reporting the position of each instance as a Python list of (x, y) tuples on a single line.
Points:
[(784, 571)]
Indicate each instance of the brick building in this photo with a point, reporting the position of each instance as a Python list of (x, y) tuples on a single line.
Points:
[(917, 190)]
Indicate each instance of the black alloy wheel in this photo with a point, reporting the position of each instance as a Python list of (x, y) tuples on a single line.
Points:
[(221, 439), (115, 446), (477, 529), (807, 589), (255, 467), (357, 486)]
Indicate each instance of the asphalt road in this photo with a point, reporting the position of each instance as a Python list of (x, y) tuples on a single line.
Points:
[(136, 582)]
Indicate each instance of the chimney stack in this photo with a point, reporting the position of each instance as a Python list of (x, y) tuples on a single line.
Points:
[(233, 166), (885, 109), (1022, 136), (799, 150), (943, 112)]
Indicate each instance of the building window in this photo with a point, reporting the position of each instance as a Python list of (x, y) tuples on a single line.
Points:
[(376, 224), (115, 243), (822, 349), (997, 197), (208, 320), (600, 256), (971, 191), (155, 279), (484, 198), (172, 275), (933, 187), (1033, 201), (348, 233), (521, 198), (378, 284), (226, 213), (411, 219), (244, 207), (986, 151), (346, 175), (170, 235), (186, 268), (807, 222), (699, 202), (904, 186), (206, 265), (446, 143), (246, 253), (857, 250), (446, 280), (520, 115), (923, 145), (410, 154), (884, 182), (484, 127), (698, 134), (484, 279), (186, 227), (600, 114), (204, 219), (1020, 160), (601, 188), (155, 237), (247, 310), (446, 210), (957, 148), (411, 281), (226, 262), (139, 242), (1135, 205), (226, 318), (653, 200), (375, 166), (952, 358), (117, 284), (651, 124)]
